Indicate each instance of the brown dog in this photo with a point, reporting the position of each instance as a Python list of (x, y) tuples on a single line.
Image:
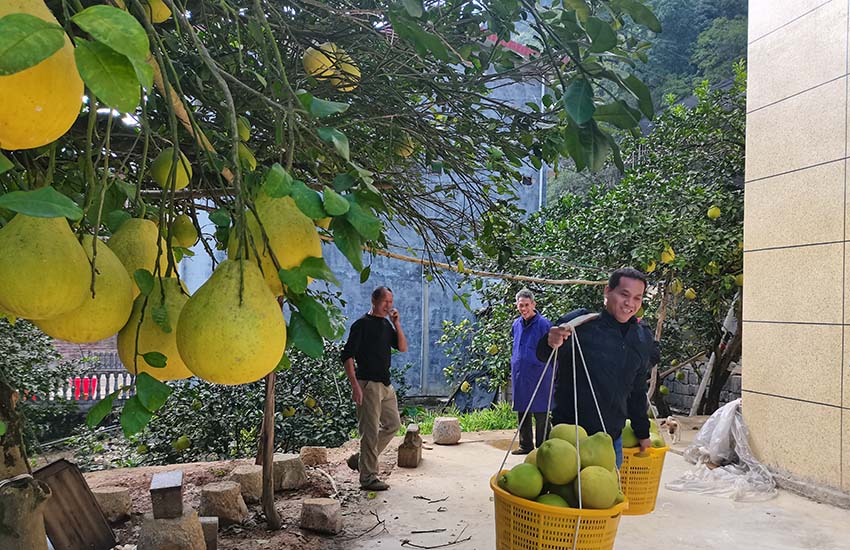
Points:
[(672, 426)]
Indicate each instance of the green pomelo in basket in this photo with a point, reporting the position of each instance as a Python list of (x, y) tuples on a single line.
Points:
[(598, 450), (656, 440), (523, 480), (566, 492), (599, 487), (630, 440), (531, 458), (552, 500), (567, 432), (556, 459)]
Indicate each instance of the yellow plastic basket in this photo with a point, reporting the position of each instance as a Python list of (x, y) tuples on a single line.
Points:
[(527, 525), (640, 476)]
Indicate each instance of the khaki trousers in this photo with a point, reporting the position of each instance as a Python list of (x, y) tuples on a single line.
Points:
[(378, 422)]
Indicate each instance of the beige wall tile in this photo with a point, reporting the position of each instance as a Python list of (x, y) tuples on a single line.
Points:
[(800, 438), (798, 208), (805, 53), (801, 131), (800, 361), (767, 15), (845, 399), (802, 285)]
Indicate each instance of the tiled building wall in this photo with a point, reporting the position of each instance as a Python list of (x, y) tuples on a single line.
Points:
[(796, 383)]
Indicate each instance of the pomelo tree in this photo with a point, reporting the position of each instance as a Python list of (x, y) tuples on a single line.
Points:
[(676, 214), (124, 117)]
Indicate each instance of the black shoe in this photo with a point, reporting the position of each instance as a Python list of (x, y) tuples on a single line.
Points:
[(375, 485), (354, 461), (521, 451)]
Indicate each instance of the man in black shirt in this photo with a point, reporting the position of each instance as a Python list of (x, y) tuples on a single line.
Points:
[(366, 357), (618, 350)]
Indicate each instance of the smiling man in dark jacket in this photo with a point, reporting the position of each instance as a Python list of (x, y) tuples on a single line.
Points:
[(618, 350)]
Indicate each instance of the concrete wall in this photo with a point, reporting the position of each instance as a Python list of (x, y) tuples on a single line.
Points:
[(796, 384)]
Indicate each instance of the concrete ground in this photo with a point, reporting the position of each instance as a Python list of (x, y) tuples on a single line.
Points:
[(450, 492)]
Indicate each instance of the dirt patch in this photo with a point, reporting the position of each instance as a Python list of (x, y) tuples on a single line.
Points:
[(331, 479)]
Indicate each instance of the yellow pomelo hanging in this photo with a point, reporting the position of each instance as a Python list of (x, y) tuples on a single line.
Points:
[(40, 103), (292, 236), (183, 231), (347, 77), (318, 62), (230, 337), (135, 244), (44, 272), (104, 315), (246, 157), (405, 147), (157, 11), (151, 336), (161, 169), (244, 128)]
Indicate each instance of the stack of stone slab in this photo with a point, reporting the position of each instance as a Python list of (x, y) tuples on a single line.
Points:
[(169, 526)]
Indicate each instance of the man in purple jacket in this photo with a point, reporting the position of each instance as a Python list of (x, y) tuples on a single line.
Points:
[(526, 369)]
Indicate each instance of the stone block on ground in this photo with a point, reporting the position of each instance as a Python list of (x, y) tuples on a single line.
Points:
[(167, 494), (321, 514), (289, 472), (209, 524), (115, 502), (250, 480), (410, 451), (223, 499), (314, 456), (181, 533), (446, 430)]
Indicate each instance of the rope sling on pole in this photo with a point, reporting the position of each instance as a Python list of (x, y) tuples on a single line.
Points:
[(553, 362)]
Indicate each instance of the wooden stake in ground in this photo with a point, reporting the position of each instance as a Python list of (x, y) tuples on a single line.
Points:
[(268, 455)]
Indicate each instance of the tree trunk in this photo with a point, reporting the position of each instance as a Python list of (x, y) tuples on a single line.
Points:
[(21, 513), (21, 499), (726, 355), (267, 445)]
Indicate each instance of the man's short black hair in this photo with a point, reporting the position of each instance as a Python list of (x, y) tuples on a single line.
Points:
[(630, 272), (378, 293)]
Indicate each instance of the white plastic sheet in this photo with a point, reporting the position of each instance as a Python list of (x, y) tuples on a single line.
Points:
[(723, 442)]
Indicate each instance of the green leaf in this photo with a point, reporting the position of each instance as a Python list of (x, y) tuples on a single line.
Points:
[(348, 241), (642, 15), (413, 7), (641, 92), (426, 43), (578, 100), (116, 29), (595, 146), (284, 364), (3, 428), (294, 279), (220, 217), (5, 164), (151, 392), (134, 416), (144, 280), (144, 73), (44, 202), (308, 200), (304, 337), (618, 114), (315, 314), (602, 36), (344, 182), (318, 269), (334, 203), (363, 220), (116, 219), (278, 182), (159, 314), (108, 74), (337, 138), (580, 7), (26, 41), (155, 359), (364, 275), (320, 108), (102, 409)]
